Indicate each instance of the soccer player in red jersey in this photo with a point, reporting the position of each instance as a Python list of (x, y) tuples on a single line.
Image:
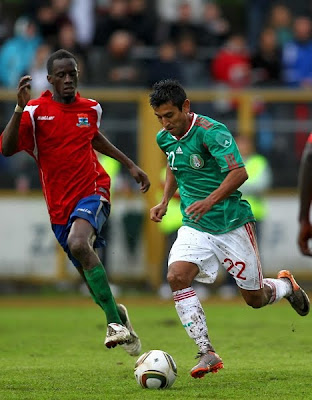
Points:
[(60, 130), (305, 197)]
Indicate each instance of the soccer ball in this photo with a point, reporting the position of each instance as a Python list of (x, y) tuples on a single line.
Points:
[(155, 369)]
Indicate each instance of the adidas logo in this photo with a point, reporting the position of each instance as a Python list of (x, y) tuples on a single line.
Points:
[(179, 150)]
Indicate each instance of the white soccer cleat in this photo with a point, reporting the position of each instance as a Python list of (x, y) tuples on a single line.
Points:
[(116, 334), (133, 345)]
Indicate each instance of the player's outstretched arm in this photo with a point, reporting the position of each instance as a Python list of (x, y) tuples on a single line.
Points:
[(103, 145), (158, 211), (10, 133)]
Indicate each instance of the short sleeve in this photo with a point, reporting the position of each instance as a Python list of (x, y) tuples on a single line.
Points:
[(222, 146)]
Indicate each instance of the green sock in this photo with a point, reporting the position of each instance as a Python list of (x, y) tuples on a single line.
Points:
[(101, 293), (122, 315)]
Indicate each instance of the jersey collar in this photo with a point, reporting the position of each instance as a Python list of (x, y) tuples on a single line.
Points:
[(194, 117)]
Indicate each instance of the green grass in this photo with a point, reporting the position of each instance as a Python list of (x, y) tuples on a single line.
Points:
[(55, 351)]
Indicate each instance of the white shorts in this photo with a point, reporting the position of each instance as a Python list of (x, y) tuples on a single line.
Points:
[(236, 251)]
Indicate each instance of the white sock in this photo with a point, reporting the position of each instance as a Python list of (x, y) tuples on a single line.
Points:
[(280, 288), (192, 317)]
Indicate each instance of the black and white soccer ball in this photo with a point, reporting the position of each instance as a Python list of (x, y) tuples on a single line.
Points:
[(155, 369)]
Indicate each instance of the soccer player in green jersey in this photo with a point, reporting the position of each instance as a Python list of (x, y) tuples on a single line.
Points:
[(203, 161)]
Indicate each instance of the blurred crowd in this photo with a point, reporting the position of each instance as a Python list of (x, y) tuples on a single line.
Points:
[(134, 43)]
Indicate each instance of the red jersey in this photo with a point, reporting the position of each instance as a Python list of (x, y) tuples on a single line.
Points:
[(58, 136)]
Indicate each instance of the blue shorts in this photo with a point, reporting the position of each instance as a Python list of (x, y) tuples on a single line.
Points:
[(92, 209)]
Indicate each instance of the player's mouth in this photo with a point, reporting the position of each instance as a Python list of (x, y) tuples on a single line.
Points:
[(69, 89)]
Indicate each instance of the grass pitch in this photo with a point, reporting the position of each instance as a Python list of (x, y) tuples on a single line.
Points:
[(53, 349)]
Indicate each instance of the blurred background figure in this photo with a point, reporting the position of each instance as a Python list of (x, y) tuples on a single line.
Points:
[(165, 65), (184, 24), (143, 22), (115, 18), (231, 65), (280, 20), (194, 70), (297, 55), (38, 69), (253, 190), (214, 27), (67, 39), (114, 65), (266, 60), (17, 53), (167, 9), (82, 16)]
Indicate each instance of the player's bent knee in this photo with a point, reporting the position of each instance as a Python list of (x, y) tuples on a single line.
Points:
[(77, 246), (177, 281)]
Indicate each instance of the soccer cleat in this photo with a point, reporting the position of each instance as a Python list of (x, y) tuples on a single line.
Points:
[(298, 299), (209, 362), (116, 334), (133, 345)]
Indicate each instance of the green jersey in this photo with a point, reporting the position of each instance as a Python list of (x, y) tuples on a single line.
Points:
[(200, 161)]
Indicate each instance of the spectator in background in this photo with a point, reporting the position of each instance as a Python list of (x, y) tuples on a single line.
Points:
[(50, 16), (38, 69), (142, 22), (297, 55), (184, 24), (167, 9), (193, 70), (17, 53), (280, 20), (231, 64), (115, 19), (5, 25), (67, 40), (256, 13), (166, 64), (115, 66), (214, 27), (82, 15), (266, 61)]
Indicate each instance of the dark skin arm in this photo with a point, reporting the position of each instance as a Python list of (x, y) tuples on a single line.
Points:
[(305, 196), (157, 212), (10, 133), (232, 182), (101, 144)]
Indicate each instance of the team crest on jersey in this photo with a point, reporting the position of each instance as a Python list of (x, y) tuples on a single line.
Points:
[(196, 161), (83, 121)]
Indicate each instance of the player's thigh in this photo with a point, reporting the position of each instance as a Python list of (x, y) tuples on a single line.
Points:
[(238, 253), (193, 246)]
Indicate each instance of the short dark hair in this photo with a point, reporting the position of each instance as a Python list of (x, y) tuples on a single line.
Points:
[(166, 91), (58, 55)]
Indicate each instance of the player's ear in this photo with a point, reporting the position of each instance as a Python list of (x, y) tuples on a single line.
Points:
[(186, 107), (49, 78)]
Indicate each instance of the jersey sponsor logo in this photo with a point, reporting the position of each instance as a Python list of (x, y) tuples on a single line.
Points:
[(85, 210), (83, 121), (179, 150), (46, 117), (224, 139), (196, 161)]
